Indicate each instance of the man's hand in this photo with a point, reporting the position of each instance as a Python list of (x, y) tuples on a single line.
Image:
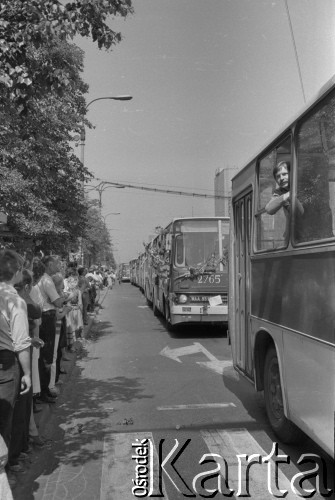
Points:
[(37, 343), (25, 384)]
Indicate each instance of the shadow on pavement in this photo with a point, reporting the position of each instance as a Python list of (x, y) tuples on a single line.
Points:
[(77, 425)]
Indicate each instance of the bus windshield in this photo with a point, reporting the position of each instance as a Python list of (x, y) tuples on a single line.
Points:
[(201, 244)]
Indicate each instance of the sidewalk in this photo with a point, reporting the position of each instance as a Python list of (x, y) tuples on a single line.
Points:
[(42, 417), (22, 485)]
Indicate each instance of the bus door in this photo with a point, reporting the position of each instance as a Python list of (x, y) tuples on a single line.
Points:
[(242, 217)]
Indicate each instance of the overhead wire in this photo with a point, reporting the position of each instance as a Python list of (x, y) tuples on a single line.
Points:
[(104, 184)]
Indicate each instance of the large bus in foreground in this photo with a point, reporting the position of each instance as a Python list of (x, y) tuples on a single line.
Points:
[(186, 271), (282, 276)]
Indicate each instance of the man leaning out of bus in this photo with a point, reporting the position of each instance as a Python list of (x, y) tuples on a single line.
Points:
[(281, 196)]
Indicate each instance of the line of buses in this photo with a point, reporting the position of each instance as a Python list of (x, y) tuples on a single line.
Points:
[(183, 271), (281, 286)]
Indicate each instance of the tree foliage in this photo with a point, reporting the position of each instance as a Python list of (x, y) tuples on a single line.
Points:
[(96, 243), (27, 26), (39, 172), (42, 107)]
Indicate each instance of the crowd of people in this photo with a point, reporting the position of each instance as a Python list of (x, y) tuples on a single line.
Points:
[(44, 305)]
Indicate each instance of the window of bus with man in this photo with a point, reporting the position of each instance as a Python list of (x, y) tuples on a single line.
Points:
[(274, 197), (310, 218)]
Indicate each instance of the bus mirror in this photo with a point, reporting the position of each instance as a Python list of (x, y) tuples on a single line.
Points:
[(168, 242)]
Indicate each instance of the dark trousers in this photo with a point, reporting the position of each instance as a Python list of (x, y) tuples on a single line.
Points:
[(85, 299), (9, 388), (92, 295), (47, 334), (20, 427), (61, 344)]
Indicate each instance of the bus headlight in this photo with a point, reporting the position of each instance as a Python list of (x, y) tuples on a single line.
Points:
[(182, 299)]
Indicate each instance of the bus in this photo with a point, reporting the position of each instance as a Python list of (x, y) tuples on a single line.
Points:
[(124, 272), (186, 271), (282, 276), (133, 272)]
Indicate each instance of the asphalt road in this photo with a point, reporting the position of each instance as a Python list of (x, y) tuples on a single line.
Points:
[(147, 412)]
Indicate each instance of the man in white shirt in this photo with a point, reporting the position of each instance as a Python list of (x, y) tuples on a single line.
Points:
[(51, 301), (14, 341)]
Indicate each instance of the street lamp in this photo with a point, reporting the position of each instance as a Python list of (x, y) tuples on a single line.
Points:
[(110, 213), (100, 188), (83, 137), (82, 133)]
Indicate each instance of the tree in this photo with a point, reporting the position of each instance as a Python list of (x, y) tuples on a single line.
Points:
[(96, 242), (42, 107), (29, 26), (39, 171)]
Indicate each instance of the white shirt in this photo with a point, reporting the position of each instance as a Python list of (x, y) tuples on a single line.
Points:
[(98, 277), (37, 297), (48, 292), (95, 276), (14, 329)]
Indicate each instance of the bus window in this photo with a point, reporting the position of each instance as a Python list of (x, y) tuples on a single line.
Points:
[(180, 250), (272, 231), (316, 174)]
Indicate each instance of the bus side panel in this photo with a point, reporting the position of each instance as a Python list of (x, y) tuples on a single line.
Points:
[(297, 292), (310, 387)]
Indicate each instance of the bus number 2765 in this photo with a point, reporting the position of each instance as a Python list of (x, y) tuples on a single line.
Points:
[(212, 278)]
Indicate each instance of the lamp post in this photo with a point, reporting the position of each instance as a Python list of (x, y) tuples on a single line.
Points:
[(82, 142), (82, 132), (110, 213), (100, 188)]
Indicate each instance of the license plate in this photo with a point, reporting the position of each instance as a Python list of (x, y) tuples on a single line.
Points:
[(199, 298), (186, 309)]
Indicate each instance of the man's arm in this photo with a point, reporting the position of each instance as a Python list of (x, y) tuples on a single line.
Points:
[(24, 360), (277, 202), (21, 340), (59, 302)]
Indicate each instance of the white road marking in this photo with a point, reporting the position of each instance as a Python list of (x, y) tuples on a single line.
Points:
[(180, 351), (213, 364), (230, 443), (196, 406), (216, 366), (143, 307)]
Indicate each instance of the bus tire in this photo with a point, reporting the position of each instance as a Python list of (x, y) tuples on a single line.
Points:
[(169, 326), (286, 430)]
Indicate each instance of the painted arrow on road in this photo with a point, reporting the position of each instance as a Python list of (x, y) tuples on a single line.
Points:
[(213, 364)]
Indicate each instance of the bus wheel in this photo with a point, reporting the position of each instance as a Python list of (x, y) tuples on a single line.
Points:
[(167, 314), (283, 428)]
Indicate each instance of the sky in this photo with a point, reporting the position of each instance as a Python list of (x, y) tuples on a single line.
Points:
[(212, 81)]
